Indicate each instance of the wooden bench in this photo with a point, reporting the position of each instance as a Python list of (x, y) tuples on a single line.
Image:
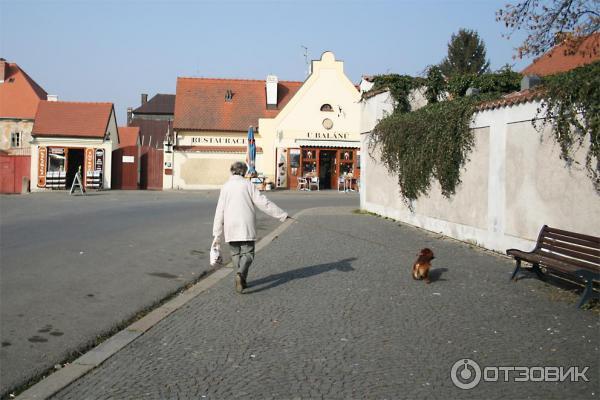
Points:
[(567, 255)]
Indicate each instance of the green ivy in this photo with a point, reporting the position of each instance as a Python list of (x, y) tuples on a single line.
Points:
[(571, 106), (432, 142), (399, 87)]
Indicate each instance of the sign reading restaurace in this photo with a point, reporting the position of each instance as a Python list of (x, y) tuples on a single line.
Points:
[(328, 135), (237, 141)]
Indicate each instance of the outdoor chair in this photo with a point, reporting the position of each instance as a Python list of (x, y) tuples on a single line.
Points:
[(302, 184), (341, 184), (314, 181)]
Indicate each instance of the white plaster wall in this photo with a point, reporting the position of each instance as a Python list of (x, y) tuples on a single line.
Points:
[(513, 184), (8, 126), (66, 142)]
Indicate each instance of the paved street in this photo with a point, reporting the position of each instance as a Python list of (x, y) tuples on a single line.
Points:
[(72, 268), (332, 315)]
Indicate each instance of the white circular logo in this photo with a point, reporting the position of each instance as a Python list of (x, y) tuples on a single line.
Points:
[(465, 374)]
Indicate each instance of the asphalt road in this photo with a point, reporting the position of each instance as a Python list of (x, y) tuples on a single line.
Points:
[(73, 268)]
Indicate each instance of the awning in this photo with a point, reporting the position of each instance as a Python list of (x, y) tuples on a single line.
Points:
[(354, 144)]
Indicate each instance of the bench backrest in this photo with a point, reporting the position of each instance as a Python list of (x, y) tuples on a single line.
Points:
[(573, 248)]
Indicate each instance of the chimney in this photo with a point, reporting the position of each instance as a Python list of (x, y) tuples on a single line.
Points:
[(144, 98), (530, 81), (129, 115), (52, 97), (3, 70), (271, 84)]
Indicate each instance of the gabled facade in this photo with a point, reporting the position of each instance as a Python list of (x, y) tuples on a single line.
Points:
[(19, 98), (300, 128), (70, 135)]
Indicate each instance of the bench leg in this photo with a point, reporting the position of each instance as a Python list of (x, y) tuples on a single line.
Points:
[(538, 271), (587, 293), (517, 268)]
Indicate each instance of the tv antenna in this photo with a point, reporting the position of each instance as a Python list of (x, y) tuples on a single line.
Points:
[(306, 59)]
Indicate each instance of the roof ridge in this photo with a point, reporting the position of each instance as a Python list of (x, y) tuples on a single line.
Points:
[(80, 102), (231, 79), (35, 86)]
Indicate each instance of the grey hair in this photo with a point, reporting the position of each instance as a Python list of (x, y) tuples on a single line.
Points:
[(238, 168)]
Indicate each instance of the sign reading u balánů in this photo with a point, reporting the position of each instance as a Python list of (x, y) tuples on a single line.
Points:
[(328, 135), (42, 159)]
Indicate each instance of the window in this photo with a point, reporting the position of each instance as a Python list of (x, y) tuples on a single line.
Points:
[(56, 159), (327, 107), (15, 139)]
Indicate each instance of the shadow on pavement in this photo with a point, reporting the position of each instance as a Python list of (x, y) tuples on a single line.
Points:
[(436, 274), (299, 273)]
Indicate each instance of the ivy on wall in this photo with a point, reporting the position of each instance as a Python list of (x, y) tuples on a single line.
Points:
[(434, 142), (571, 106)]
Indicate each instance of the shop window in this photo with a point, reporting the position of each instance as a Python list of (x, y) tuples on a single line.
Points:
[(346, 155), (294, 160), (56, 159), (309, 154), (309, 168), (346, 168), (16, 139), (327, 107)]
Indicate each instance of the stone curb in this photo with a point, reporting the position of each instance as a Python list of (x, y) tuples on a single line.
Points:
[(96, 356)]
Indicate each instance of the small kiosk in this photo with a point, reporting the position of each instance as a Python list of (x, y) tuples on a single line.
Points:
[(68, 136)]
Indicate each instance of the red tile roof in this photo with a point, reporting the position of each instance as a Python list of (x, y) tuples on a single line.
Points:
[(71, 119), (512, 99), (200, 103), (558, 59), (128, 136), (19, 94)]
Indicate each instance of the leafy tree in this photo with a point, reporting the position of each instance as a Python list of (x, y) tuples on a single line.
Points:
[(550, 21), (466, 55)]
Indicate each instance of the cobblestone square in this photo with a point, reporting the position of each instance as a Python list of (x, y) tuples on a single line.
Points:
[(338, 316)]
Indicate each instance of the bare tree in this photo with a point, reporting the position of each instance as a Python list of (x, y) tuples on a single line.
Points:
[(548, 22)]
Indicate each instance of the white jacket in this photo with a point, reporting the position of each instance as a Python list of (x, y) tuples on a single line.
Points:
[(236, 214)]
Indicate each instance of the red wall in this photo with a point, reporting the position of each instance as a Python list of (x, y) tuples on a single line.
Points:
[(12, 171)]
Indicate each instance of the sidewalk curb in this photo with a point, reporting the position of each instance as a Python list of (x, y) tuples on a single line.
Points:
[(62, 378)]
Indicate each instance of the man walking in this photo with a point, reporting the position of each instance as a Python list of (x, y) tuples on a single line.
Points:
[(235, 218)]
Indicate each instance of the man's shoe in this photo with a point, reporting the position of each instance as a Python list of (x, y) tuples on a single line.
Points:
[(239, 283)]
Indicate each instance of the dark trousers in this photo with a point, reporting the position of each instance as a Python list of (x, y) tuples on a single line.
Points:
[(242, 255)]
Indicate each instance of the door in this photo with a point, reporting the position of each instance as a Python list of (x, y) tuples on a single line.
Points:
[(74, 161), (7, 174), (327, 170)]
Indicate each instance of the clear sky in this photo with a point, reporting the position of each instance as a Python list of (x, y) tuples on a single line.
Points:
[(109, 50)]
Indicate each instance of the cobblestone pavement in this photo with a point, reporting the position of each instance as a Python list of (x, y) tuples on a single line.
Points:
[(334, 316)]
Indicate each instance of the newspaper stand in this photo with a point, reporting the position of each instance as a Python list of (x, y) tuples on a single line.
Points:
[(56, 180), (93, 180)]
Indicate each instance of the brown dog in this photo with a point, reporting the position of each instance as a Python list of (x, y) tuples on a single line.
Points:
[(420, 269)]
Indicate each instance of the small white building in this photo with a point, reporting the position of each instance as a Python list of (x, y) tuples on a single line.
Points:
[(70, 135)]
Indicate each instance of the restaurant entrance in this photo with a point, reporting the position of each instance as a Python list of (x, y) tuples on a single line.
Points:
[(328, 165), (327, 170)]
